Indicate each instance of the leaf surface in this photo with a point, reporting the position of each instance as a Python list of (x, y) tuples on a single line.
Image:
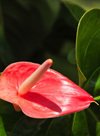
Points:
[(85, 4), (2, 129), (76, 10), (98, 129), (88, 44), (80, 126)]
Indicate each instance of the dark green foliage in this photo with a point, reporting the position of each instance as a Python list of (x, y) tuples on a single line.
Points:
[(80, 126), (34, 30), (87, 43)]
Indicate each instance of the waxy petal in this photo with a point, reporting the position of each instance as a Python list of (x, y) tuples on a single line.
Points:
[(53, 95)]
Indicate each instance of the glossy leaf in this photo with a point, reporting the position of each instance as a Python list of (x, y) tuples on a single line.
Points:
[(2, 129), (53, 95), (80, 126), (87, 44)]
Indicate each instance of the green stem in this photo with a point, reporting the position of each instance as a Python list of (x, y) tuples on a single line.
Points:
[(97, 98)]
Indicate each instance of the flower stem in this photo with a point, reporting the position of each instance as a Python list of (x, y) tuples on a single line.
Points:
[(16, 107)]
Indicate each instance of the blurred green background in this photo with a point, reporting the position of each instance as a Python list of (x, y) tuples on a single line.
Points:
[(32, 30), (35, 30)]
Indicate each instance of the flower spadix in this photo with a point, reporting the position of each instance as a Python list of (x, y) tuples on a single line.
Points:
[(41, 92), (34, 77)]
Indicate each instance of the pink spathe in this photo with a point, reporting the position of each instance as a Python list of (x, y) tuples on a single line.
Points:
[(52, 95)]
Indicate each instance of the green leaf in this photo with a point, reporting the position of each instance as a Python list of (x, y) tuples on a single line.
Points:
[(2, 129), (27, 127), (43, 127), (75, 9), (97, 85), (58, 126), (98, 129), (80, 127), (92, 119), (85, 4), (97, 98), (88, 44)]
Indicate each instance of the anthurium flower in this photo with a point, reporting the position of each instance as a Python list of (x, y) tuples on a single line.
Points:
[(41, 92)]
